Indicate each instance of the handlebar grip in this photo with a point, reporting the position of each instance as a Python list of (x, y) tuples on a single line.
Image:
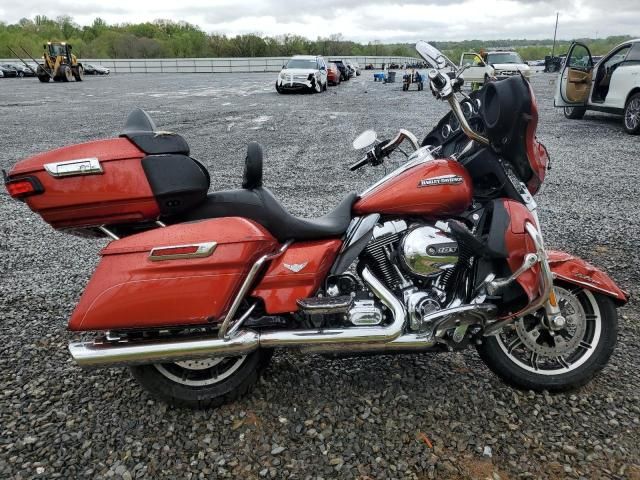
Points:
[(437, 79), (359, 164)]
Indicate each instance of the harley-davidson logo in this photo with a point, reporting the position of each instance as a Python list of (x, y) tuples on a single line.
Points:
[(443, 180), (295, 267)]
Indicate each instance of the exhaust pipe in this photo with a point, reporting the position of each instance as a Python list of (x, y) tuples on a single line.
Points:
[(106, 354), (339, 338)]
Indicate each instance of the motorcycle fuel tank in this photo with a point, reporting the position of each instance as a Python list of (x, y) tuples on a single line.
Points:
[(432, 188)]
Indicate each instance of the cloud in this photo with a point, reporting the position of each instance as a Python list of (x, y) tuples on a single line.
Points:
[(361, 20)]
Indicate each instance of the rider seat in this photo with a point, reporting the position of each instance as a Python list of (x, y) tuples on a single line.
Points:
[(257, 203)]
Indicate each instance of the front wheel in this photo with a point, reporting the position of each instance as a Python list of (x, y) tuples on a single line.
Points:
[(529, 356), (574, 113), (203, 383)]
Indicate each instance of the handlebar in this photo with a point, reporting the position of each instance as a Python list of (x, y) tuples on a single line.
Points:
[(376, 155), (445, 88)]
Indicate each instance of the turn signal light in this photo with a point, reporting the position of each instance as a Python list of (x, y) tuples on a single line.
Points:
[(23, 187)]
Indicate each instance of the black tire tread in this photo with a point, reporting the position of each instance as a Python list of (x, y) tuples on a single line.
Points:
[(576, 114), (194, 398)]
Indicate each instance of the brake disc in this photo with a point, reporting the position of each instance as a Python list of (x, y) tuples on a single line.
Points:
[(199, 364), (541, 341)]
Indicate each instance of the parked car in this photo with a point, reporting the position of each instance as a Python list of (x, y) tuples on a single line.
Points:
[(23, 71), (344, 69), (477, 71), (612, 85), (8, 70), (333, 74), (95, 69), (355, 67), (506, 64), (303, 72)]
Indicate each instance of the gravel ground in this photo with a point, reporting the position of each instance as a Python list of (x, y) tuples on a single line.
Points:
[(420, 417)]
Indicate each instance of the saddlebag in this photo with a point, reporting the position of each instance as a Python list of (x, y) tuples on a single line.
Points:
[(185, 274)]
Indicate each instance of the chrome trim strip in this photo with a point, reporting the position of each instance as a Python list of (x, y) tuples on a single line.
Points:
[(204, 250), (244, 289), (81, 166)]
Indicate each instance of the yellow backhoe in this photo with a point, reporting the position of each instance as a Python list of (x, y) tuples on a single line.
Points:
[(60, 65)]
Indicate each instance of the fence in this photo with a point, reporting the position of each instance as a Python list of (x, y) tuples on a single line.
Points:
[(222, 65)]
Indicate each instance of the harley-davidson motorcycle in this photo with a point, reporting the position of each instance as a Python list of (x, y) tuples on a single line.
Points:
[(196, 289)]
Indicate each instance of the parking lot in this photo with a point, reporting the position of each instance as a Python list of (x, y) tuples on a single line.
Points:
[(362, 418)]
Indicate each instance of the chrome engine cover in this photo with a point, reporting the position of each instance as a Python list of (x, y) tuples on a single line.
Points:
[(427, 251), (365, 312)]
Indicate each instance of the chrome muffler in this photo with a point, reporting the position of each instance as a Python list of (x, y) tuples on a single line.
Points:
[(124, 353), (243, 342)]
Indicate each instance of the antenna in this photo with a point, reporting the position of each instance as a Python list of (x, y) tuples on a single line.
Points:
[(553, 49)]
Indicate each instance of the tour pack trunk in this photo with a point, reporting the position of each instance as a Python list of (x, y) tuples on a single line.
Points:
[(185, 274), (108, 182)]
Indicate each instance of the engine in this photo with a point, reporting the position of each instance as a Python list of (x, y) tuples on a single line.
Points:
[(417, 261)]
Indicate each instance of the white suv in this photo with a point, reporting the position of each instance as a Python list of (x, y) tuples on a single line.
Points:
[(612, 85), (507, 64), (303, 72), (476, 70)]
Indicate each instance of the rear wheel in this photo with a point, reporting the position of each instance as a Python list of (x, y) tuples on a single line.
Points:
[(574, 113), (632, 114), (532, 357), (202, 383)]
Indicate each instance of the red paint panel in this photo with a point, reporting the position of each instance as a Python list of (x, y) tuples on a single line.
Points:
[(518, 244), (403, 194), (128, 290), (281, 287), (120, 194), (579, 272)]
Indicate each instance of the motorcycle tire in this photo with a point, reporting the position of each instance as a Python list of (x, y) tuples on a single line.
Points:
[(170, 382), (600, 315)]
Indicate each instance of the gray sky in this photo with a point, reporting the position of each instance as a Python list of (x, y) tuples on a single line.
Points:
[(360, 20)]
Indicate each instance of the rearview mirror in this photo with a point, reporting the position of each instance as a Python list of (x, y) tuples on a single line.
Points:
[(365, 139), (434, 57)]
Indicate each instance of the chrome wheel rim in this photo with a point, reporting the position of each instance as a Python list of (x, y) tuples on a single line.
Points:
[(632, 114), (568, 110), (201, 373), (536, 349)]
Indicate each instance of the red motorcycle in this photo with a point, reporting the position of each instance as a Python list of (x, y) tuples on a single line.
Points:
[(196, 289)]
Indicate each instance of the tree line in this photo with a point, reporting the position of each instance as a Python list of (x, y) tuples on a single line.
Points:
[(171, 39)]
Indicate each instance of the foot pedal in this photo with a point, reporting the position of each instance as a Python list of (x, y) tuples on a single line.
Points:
[(325, 305)]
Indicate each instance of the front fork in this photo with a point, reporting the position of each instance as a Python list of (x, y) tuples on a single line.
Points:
[(554, 318)]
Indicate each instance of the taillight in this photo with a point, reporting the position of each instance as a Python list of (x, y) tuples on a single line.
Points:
[(23, 187)]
